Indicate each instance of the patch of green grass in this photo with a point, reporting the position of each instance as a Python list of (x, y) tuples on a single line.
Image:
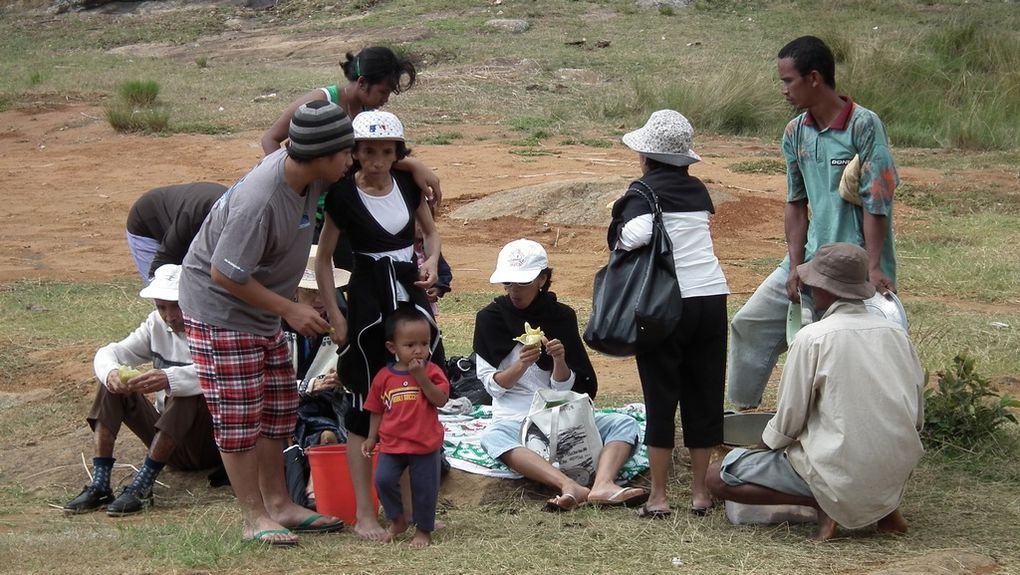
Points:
[(64, 313), (200, 128), (529, 123), (139, 92), (766, 166), (940, 332), (533, 152), (442, 138), (961, 200), (202, 62), (126, 118), (969, 257)]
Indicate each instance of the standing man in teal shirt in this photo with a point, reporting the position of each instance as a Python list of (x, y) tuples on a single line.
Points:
[(817, 145)]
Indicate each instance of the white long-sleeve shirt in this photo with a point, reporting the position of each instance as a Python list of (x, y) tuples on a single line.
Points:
[(697, 268), (515, 403), (152, 342)]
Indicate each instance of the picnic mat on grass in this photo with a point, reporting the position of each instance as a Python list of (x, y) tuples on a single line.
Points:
[(463, 449)]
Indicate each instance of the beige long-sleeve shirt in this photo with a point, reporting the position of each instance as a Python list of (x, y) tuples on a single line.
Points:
[(850, 404)]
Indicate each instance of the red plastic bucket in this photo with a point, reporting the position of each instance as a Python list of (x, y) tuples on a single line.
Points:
[(334, 492)]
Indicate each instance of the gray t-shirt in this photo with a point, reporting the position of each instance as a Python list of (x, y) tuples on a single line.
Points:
[(260, 229)]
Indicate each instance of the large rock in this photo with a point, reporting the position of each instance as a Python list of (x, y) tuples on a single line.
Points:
[(571, 202)]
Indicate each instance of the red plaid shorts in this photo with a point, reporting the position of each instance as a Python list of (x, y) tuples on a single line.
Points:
[(248, 381)]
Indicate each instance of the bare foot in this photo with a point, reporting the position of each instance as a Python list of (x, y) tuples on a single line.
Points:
[(701, 502), (826, 528), (421, 540), (893, 523), (657, 503), (369, 529), (398, 526)]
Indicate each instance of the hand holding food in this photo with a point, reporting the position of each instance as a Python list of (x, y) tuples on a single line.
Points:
[(127, 373), (531, 335)]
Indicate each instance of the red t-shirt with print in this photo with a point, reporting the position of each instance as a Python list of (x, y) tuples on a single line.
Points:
[(410, 423)]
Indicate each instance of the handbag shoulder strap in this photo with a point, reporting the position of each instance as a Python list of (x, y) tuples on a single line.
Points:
[(649, 195)]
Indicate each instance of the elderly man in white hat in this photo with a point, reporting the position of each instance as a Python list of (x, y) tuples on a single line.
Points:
[(844, 438), (177, 428)]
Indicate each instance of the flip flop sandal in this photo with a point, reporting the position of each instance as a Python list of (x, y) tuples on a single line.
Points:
[(260, 538), (647, 513), (307, 526), (553, 507), (701, 511), (628, 502)]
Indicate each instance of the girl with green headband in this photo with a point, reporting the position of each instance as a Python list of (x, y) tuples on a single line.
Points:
[(372, 76)]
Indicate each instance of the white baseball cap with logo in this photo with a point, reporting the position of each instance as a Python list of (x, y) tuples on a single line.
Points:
[(520, 261), (378, 125)]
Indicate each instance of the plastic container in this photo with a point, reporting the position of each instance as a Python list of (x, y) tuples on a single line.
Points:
[(745, 514), (334, 492)]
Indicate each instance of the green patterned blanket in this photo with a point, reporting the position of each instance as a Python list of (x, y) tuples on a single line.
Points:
[(463, 449)]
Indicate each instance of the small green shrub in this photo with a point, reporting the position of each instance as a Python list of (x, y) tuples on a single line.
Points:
[(965, 410), (139, 92), (202, 62), (35, 78), (126, 118), (666, 10)]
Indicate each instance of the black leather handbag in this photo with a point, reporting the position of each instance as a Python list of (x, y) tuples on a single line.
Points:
[(636, 300)]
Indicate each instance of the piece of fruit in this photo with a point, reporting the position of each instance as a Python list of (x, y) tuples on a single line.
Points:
[(126, 373), (531, 335)]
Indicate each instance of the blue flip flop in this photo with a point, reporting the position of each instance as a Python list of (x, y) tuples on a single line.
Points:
[(307, 526)]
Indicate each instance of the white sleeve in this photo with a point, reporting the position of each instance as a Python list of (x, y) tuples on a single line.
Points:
[(636, 232), (565, 385), (183, 381), (486, 373), (133, 350)]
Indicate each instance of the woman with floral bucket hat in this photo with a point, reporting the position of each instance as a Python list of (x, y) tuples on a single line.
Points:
[(688, 367)]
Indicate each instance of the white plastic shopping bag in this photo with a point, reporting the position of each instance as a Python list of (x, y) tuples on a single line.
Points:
[(561, 428)]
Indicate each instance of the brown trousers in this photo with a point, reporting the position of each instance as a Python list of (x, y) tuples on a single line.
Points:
[(185, 419)]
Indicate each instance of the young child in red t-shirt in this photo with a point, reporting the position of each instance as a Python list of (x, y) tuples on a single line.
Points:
[(405, 423)]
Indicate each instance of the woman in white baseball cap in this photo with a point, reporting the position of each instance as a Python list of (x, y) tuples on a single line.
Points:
[(688, 368), (376, 207)]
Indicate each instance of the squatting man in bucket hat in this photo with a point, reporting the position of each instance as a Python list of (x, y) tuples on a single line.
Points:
[(844, 438), (177, 428)]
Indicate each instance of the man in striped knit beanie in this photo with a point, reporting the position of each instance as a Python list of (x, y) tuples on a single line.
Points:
[(239, 278)]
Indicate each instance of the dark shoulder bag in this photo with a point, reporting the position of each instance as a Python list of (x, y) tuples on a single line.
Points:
[(636, 299)]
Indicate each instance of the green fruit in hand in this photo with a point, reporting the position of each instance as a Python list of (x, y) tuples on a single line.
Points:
[(126, 373), (531, 335)]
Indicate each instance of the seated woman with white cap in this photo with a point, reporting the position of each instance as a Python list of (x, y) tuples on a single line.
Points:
[(513, 372)]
